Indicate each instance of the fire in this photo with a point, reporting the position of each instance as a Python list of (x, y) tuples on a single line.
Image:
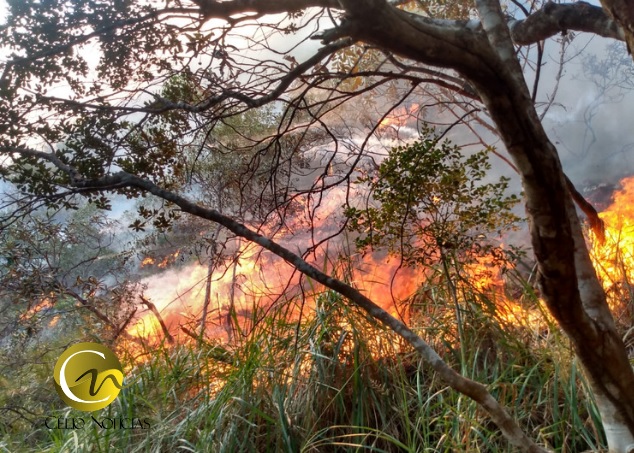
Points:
[(179, 295), (241, 290), (169, 259), (166, 261), (254, 280), (146, 327), (515, 314), (484, 274), (400, 117), (614, 260), (44, 304)]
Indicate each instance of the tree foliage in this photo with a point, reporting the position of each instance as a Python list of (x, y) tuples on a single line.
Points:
[(66, 269), (428, 199)]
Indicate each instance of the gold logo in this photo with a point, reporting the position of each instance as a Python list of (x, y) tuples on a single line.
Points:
[(88, 376)]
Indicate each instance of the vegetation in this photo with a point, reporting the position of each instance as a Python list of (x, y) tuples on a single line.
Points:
[(335, 382), (228, 113), (427, 200), (334, 379)]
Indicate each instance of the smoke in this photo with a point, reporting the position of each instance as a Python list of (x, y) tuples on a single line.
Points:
[(588, 120)]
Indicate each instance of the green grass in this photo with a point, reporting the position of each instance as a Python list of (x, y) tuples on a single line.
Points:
[(337, 382)]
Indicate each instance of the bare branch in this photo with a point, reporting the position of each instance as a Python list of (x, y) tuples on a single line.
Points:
[(162, 105)]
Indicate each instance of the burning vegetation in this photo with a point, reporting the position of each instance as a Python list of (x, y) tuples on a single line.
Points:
[(225, 303), (274, 352), (614, 259), (313, 364), (424, 235)]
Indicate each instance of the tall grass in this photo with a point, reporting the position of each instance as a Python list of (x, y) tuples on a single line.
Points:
[(337, 382)]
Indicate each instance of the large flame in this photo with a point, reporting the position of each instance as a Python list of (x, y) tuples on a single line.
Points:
[(255, 280), (614, 260)]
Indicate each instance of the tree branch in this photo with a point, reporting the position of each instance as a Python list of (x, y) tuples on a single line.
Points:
[(213, 9), (162, 105), (159, 318), (622, 11), (554, 18), (82, 39), (472, 389)]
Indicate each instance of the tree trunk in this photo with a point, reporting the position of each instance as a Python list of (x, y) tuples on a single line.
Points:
[(569, 284), (567, 278)]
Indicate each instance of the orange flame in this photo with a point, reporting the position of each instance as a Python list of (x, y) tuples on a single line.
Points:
[(400, 117), (45, 304), (147, 261), (259, 279), (614, 260), (179, 295)]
